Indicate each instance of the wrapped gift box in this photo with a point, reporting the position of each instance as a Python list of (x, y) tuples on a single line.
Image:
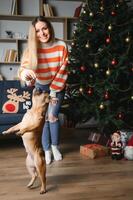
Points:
[(94, 150), (98, 138)]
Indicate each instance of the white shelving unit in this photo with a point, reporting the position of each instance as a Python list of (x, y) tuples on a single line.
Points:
[(17, 21)]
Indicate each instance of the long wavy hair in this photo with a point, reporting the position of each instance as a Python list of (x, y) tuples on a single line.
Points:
[(30, 53)]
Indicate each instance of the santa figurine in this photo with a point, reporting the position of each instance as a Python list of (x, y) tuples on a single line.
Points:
[(116, 146)]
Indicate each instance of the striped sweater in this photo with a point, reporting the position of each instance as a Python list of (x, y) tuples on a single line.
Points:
[(51, 69)]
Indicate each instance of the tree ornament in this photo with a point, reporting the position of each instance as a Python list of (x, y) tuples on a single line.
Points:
[(110, 27), (113, 62), (108, 72), (127, 39), (113, 13), (83, 68), (108, 40), (81, 90), (132, 97), (101, 106), (96, 65), (120, 115), (91, 14), (90, 29), (106, 95), (90, 91), (87, 45), (73, 44), (102, 8)]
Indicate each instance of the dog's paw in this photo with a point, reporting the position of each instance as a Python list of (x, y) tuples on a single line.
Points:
[(29, 186), (4, 132), (42, 191)]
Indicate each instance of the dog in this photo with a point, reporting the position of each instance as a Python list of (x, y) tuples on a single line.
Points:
[(30, 129)]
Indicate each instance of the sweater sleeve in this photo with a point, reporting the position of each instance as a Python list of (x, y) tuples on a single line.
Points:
[(60, 78)]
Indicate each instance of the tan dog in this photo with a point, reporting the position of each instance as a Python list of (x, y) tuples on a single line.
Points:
[(30, 128)]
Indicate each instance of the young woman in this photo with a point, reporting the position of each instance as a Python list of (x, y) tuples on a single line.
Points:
[(44, 65)]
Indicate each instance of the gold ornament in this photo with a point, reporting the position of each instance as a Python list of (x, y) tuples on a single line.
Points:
[(96, 65), (91, 14), (101, 106), (108, 72), (87, 45), (101, 8), (110, 27), (127, 39), (81, 90)]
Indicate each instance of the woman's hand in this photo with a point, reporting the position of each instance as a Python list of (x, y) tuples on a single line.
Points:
[(28, 75)]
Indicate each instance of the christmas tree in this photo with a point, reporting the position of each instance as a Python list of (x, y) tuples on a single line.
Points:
[(101, 65)]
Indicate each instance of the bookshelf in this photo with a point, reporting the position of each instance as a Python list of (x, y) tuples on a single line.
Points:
[(15, 19)]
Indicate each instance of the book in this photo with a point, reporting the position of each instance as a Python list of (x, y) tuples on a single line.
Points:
[(10, 55), (47, 9), (51, 11), (6, 55), (13, 7)]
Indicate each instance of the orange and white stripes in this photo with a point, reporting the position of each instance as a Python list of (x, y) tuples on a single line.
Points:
[(52, 61)]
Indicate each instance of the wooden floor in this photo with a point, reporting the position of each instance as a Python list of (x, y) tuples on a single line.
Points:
[(73, 178)]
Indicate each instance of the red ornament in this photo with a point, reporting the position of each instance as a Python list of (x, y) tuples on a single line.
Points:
[(113, 62), (82, 68), (90, 29), (108, 40), (120, 115), (113, 13), (106, 95), (90, 91)]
